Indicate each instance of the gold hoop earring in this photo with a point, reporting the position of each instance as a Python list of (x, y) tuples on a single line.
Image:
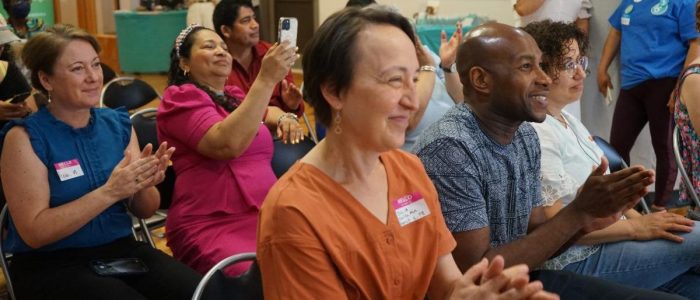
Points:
[(336, 124)]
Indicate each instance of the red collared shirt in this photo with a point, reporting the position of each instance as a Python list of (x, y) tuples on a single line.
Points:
[(244, 79)]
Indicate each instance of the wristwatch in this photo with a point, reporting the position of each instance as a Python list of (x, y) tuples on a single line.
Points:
[(451, 69)]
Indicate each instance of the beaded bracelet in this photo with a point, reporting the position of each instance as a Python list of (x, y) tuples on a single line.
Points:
[(287, 115)]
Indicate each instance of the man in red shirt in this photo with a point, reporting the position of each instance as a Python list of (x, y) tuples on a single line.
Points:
[(234, 21)]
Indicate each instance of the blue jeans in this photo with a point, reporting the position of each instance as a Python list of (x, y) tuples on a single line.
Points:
[(658, 264)]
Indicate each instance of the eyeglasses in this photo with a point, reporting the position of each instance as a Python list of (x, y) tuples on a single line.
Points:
[(570, 66)]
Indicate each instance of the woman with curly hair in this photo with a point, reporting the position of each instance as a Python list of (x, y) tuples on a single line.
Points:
[(657, 251)]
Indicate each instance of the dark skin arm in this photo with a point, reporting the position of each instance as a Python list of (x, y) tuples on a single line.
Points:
[(600, 203)]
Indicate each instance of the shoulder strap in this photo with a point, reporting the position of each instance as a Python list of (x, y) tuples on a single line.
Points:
[(677, 90)]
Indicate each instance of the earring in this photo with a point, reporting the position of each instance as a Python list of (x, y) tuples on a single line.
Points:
[(336, 124), (48, 97), (186, 72)]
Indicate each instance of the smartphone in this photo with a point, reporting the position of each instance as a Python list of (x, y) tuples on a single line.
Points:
[(287, 30), (118, 267), (19, 98)]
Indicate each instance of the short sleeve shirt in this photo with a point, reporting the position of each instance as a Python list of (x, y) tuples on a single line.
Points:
[(655, 37), (316, 241), (481, 183)]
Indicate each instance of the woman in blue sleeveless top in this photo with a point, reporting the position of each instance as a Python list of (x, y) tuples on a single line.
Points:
[(70, 173)]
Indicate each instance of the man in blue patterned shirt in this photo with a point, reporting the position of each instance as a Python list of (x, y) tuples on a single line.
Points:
[(484, 159)]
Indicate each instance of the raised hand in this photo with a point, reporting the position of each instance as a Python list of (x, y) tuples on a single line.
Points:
[(660, 225), (424, 58), (291, 94), (277, 62), (448, 48), (603, 198), (163, 154), (9, 111), (131, 176)]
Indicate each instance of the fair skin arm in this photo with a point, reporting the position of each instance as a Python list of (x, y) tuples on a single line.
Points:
[(27, 191), (291, 94), (689, 59), (690, 94), (527, 7), (424, 86), (620, 191), (610, 50), (230, 137), (661, 225), (448, 55)]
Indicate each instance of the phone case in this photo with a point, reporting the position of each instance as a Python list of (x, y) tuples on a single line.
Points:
[(287, 30), (17, 99), (118, 267)]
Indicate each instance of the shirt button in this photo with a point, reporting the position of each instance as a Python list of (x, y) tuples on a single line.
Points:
[(397, 281), (389, 240)]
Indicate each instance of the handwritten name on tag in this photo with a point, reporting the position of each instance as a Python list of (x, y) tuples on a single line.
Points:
[(68, 169), (410, 208)]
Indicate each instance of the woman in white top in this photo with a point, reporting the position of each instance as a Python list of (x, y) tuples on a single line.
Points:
[(658, 251), (577, 11)]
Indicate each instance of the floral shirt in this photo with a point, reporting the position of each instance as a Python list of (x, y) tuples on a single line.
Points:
[(690, 142)]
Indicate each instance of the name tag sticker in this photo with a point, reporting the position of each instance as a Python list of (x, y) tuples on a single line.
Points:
[(410, 208), (68, 169), (625, 21)]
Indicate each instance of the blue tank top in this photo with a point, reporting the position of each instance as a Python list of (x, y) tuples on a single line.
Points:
[(96, 149)]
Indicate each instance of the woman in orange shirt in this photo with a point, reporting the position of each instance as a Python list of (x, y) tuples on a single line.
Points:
[(356, 217)]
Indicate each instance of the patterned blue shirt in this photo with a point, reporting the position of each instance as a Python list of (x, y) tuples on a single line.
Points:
[(480, 182)]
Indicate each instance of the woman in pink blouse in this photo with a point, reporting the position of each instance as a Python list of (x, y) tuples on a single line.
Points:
[(224, 147)]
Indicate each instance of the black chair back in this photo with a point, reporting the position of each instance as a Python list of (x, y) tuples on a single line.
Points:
[(144, 122), (128, 92), (616, 163), (286, 155)]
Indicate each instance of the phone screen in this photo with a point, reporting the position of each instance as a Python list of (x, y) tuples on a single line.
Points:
[(19, 98), (118, 266), (287, 30)]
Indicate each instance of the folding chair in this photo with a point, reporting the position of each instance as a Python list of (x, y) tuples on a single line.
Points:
[(215, 285), (128, 92), (684, 174), (616, 163), (144, 123), (5, 257)]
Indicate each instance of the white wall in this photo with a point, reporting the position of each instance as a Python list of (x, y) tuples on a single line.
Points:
[(499, 10)]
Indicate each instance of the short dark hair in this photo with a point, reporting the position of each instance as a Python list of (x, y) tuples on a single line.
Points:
[(331, 52), (359, 3), (43, 49), (552, 38), (226, 12)]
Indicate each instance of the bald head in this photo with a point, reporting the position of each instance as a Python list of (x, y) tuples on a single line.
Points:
[(488, 46)]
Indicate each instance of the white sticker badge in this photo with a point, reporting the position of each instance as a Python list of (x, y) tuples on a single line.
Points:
[(410, 208), (68, 169)]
